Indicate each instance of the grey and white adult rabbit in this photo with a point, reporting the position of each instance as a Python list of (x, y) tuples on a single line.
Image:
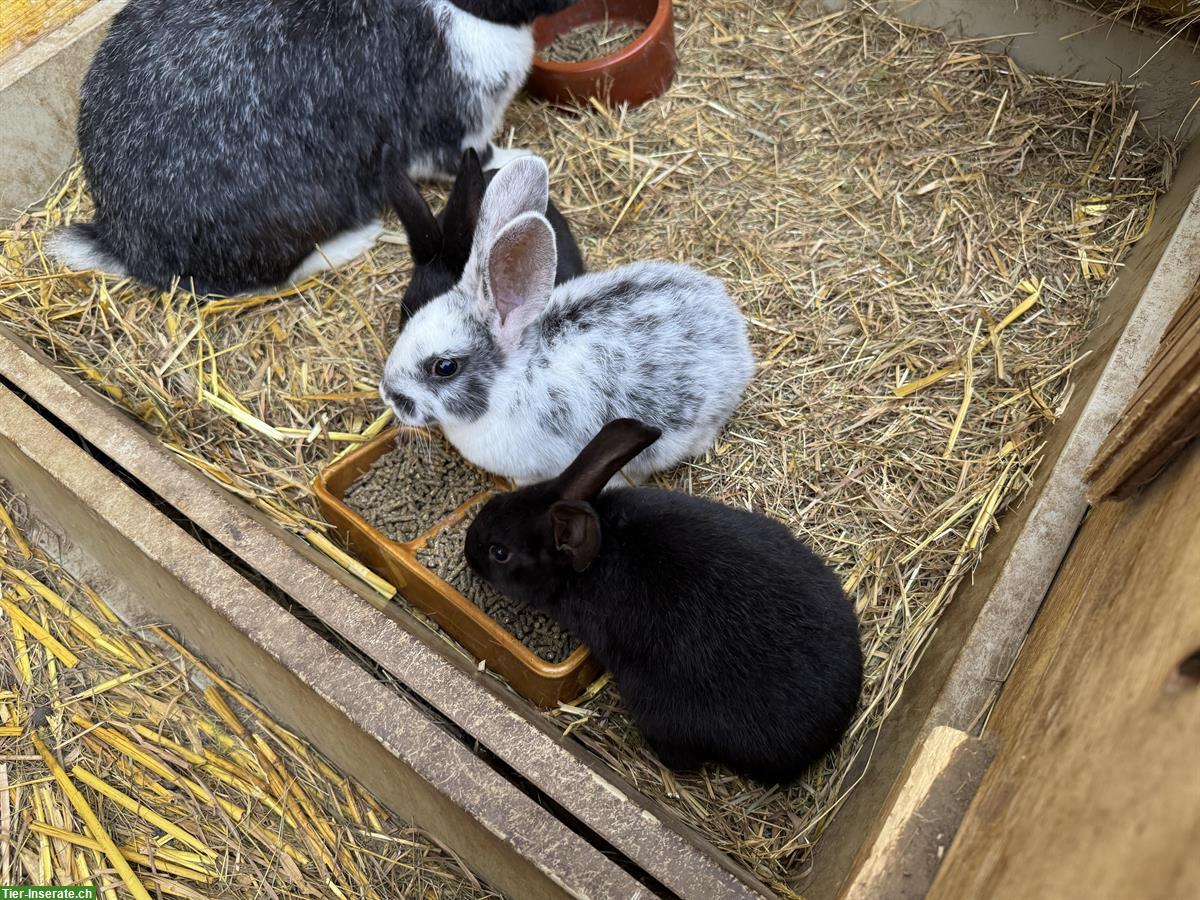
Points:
[(238, 144), (441, 244), (519, 374), (729, 639)]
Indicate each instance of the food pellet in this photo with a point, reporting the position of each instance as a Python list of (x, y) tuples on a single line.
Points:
[(407, 491), (591, 41), (541, 634)]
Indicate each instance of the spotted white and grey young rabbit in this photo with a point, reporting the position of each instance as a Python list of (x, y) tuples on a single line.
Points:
[(729, 640), (519, 374), (441, 244), (238, 143)]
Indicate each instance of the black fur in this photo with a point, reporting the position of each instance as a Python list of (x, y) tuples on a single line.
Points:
[(508, 12), (729, 639), (440, 250), (223, 139)]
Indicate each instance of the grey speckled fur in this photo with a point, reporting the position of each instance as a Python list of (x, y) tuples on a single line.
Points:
[(223, 140), (539, 369)]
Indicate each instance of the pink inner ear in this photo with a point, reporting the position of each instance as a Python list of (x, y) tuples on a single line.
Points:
[(521, 266), (509, 273)]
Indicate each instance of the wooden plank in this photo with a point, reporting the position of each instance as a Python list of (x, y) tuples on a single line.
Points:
[(1161, 418), (39, 106), (589, 790), (1095, 791), (411, 762), (929, 802), (23, 21)]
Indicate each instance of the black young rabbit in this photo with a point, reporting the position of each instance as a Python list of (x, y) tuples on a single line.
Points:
[(441, 244), (729, 639), (236, 144)]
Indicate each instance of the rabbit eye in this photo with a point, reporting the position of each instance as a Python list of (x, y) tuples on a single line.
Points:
[(499, 553), (444, 367)]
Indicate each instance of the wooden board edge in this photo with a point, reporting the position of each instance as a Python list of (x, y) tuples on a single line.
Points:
[(39, 106), (393, 747), (644, 831), (1068, 40), (927, 804)]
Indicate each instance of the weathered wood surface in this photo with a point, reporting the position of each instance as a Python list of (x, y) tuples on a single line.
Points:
[(1161, 418), (24, 21), (980, 635), (923, 815), (407, 759), (39, 105), (507, 726), (1095, 790)]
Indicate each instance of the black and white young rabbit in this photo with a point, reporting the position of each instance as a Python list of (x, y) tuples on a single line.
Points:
[(237, 144), (441, 244), (519, 374), (729, 639)]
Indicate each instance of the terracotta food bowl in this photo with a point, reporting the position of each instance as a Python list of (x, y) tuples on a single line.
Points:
[(539, 681), (632, 74)]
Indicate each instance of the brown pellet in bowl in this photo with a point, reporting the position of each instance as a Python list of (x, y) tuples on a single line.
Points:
[(591, 41), (444, 556), (406, 492)]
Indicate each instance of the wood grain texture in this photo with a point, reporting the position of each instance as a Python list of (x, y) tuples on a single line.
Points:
[(980, 635), (406, 758), (24, 21), (928, 805), (1161, 418), (1095, 791)]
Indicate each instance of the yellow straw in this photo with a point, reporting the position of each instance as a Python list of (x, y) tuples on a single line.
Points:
[(93, 823)]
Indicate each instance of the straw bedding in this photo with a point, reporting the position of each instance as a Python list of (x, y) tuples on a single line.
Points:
[(917, 231), (195, 791), (591, 41)]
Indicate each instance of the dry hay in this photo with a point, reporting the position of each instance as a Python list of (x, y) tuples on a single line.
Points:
[(1173, 16), (194, 788), (918, 232), (592, 41)]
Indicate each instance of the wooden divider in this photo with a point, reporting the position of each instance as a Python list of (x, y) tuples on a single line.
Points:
[(24, 21), (398, 751)]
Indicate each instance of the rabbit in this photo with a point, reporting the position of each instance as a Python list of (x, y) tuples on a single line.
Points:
[(441, 244), (237, 144), (729, 639), (519, 373)]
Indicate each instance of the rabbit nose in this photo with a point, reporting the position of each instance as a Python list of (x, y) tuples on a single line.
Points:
[(402, 404)]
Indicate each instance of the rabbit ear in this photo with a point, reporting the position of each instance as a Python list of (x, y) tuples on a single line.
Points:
[(613, 446), (424, 235), (520, 275), (522, 186), (461, 217), (576, 532)]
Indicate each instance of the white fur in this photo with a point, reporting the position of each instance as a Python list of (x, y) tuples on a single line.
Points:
[(502, 156), (338, 251), (75, 251), (423, 168), (507, 439), (497, 58), (544, 405)]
